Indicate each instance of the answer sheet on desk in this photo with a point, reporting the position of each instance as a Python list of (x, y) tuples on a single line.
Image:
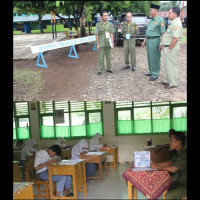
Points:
[(94, 153), (137, 169)]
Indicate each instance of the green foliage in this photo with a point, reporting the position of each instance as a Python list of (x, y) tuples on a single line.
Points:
[(165, 6)]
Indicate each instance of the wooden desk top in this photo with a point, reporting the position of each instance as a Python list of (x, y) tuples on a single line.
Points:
[(69, 162), (18, 186), (107, 148)]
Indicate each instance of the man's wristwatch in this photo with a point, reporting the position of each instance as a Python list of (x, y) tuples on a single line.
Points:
[(169, 50)]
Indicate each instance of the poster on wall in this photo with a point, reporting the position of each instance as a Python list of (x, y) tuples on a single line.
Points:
[(142, 158), (59, 116)]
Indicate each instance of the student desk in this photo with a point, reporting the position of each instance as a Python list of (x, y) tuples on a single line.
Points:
[(75, 168), (23, 190), (151, 183), (96, 157), (66, 153), (16, 155), (16, 171), (113, 150), (30, 158)]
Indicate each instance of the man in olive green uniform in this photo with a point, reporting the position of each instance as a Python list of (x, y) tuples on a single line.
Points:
[(104, 36), (154, 34), (177, 166), (129, 31), (171, 46)]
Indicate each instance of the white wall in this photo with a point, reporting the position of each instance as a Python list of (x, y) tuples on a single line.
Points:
[(126, 144)]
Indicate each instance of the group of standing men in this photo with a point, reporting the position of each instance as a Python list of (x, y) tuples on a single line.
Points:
[(157, 39)]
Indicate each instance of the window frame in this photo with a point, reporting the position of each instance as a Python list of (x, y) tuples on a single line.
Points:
[(40, 115), (171, 106), (17, 117)]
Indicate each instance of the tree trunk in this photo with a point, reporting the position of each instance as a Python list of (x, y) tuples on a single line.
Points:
[(89, 25), (82, 23), (40, 23)]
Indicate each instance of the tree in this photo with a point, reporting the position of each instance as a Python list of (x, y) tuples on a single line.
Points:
[(88, 17), (34, 7), (165, 6)]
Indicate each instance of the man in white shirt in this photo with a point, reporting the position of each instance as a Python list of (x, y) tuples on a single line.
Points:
[(48, 156)]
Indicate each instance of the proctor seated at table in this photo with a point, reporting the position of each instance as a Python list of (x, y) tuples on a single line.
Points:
[(177, 165), (48, 156)]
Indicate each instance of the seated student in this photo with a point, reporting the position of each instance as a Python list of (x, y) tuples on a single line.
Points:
[(171, 132), (177, 165), (48, 156), (94, 143), (171, 152), (82, 148), (60, 141), (27, 150), (18, 145)]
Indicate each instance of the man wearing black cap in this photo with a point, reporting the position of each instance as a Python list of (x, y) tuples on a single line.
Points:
[(153, 41)]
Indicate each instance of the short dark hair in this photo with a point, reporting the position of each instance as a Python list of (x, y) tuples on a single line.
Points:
[(172, 130), (176, 10), (129, 12), (19, 142), (56, 149), (180, 136), (102, 11)]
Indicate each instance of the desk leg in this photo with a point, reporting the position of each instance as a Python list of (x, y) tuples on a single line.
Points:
[(116, 155), (130, 191), (50, 185), (100, 170), (134, 192), (84, 177), (114, 160), (106, 167), (74, 186)]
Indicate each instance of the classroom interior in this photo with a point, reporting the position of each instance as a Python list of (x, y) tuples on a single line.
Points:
[(124, 125)]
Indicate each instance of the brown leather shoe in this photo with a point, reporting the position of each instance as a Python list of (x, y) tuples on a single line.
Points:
[(170, 87), (163, 83)]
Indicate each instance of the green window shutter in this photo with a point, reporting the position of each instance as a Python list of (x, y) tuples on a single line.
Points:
[(63, 105), (93, 105), (45, 107), (21, 109), (77, 106), (141, 103), (123, 104)]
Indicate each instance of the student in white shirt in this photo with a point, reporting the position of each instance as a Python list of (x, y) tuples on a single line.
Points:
[(94, 143), (82, 148), (48, 156), (27, 150), (60, 141)]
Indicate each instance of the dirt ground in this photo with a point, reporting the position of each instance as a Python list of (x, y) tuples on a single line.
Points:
[(76, 79)]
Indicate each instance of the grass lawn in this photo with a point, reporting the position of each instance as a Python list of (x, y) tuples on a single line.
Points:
[(27, 83)]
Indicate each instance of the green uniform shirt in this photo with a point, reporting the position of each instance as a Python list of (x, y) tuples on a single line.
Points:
[(132, 29), (156, 27), (100, 30), (175, 29), (180, 161)]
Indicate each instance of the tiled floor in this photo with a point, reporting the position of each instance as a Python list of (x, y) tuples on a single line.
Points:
[(112, 187)]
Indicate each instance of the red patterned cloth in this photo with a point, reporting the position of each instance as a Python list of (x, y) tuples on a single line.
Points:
[(151, 183)]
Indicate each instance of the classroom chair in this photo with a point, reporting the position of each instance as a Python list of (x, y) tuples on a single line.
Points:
[(16, 171), (37, 181), (164, 193)]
